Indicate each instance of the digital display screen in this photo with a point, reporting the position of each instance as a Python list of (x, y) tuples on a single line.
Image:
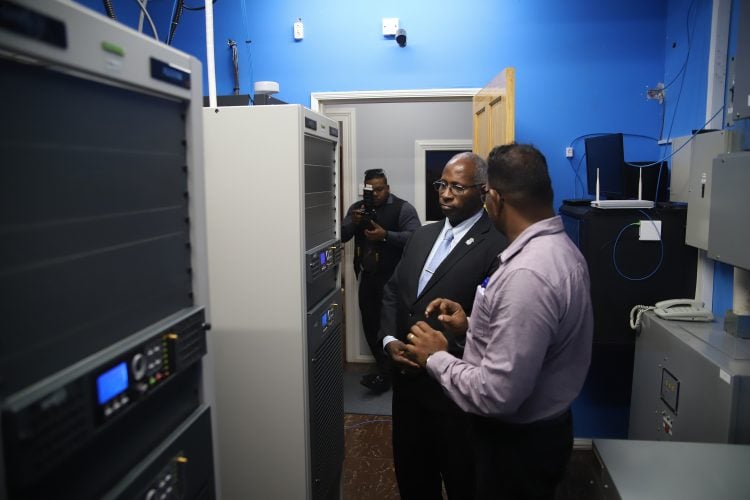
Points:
[(166, 72), (112, 382), (324, 319), (322, 258)]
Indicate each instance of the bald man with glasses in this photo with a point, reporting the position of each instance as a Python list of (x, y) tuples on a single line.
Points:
[(447, 258)]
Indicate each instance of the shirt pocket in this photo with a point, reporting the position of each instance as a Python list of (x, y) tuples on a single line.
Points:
[(480, 315)]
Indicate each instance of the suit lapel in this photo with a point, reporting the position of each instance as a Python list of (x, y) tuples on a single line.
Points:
[(470, 241)]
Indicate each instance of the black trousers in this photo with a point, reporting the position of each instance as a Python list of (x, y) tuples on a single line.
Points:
[(431, 444), (521, 461), (370, 303)]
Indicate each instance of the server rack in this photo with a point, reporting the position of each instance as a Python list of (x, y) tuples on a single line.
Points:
[(102, 266), (277, 325)]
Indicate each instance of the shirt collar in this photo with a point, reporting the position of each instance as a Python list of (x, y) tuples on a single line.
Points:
[(460, 229), (543, 227)]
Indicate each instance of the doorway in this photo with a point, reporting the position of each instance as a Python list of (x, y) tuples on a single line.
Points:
[(369, 129)]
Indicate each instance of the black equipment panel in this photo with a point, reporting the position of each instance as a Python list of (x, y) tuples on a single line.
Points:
[(35, 472), (320, 195), (94, 218), (46, 425), (326, 389), (614, 293), (180, 467)]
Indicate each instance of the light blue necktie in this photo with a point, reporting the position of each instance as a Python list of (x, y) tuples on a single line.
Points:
[(440, 254)]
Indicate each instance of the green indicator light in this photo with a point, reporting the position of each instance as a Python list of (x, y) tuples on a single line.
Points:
[(113, 49)]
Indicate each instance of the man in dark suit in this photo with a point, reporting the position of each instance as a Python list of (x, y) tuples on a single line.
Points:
[(448, 258)]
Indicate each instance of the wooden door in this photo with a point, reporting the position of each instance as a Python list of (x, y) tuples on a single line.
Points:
[(494, 113)]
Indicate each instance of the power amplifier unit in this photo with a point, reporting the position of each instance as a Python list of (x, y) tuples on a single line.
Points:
[(180, 467), (104, 398)]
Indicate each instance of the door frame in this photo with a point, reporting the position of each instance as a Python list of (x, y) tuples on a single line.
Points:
[(347, 118), (355, 341)]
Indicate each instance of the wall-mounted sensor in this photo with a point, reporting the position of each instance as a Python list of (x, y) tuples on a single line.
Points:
[(299, 30), (401, 37), (390, 26)]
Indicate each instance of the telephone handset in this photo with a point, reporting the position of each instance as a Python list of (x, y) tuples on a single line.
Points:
[(682, 310), (675, 309)]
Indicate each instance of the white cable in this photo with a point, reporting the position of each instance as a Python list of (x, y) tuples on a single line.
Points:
[(140, 18), (210, 65), (142, 5), (637, 311)]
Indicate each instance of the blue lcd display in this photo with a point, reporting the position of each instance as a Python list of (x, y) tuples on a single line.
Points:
[(322, 258), (112, 382), (324, 319)]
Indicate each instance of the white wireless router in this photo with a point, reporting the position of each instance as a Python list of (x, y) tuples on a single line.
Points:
[(639, 203)]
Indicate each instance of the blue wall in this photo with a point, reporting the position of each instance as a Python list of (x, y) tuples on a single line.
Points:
[(686, 49), (581, 67)]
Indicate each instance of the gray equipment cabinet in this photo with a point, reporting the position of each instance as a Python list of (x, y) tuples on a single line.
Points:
[(274, 291), (637, 470), (103, 272), (691, 382)]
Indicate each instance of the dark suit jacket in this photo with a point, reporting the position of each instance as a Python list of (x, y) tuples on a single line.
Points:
[(457, 277)]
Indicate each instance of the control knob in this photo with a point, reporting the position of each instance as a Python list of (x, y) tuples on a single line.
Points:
[(138, 365)]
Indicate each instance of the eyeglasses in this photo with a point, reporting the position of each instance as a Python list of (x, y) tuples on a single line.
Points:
[(483, 195), (441, 185)]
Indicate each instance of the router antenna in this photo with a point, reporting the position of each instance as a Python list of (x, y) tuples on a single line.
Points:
[(640, 183), (597, 185)]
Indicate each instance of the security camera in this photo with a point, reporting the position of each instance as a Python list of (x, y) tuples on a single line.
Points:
[(401, 37)]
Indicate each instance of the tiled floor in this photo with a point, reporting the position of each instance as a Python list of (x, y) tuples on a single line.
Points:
[(368, 459)]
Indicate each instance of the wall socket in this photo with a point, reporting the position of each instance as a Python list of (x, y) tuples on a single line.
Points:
[(569, 152), (656, 93)]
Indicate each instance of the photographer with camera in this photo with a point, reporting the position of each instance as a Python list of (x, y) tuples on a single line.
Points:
[(380, 225)]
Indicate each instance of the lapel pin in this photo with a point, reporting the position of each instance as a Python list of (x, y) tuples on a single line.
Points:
[(470, 241)]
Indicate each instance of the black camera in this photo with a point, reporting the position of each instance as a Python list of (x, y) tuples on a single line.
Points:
[(369, 214)]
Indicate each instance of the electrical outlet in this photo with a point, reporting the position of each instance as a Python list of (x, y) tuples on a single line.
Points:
[(650, 230), (299, 30), (656, 93), (569, 152)]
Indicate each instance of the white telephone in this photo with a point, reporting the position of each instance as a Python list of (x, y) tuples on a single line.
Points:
[(683, 310), (675, 309)]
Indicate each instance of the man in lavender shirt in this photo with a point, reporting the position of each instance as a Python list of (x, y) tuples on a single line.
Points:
[(528, 341)]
